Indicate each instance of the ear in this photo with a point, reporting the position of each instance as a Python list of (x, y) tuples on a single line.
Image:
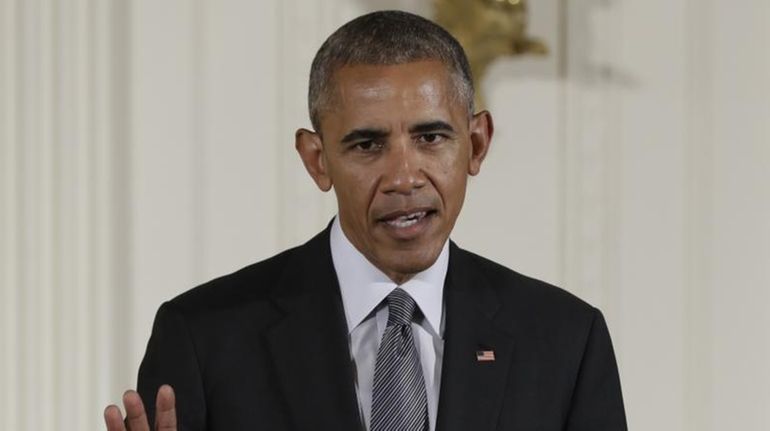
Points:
[(481, 130), (310, 147)]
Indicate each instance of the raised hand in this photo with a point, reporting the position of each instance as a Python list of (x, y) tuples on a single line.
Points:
[(136, 418)]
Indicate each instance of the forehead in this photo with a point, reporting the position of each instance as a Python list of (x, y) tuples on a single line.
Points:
[(405, 74), (387, 92)]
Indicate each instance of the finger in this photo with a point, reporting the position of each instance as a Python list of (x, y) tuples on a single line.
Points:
[(114, 418), (165, 409), (136, 418)]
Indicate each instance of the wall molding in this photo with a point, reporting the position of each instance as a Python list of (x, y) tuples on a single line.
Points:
[(59, 292)]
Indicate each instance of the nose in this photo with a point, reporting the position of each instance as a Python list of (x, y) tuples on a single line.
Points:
[(403, 172)]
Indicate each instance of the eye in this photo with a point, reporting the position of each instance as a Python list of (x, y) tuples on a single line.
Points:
[(431, 138), (367, 146)]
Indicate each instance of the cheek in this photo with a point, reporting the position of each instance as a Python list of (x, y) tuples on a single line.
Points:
[(456, 162), (354, 190), (450, 176)]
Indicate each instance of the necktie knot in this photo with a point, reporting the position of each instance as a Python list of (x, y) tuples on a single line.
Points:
[(401, 307)]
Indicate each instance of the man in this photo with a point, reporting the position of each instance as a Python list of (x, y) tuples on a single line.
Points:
[(380, 322)]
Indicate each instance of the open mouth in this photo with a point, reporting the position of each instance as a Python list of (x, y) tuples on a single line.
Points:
[(407, 219)]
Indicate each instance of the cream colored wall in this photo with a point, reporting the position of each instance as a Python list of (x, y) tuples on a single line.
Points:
[(62, 228), (148, 146)]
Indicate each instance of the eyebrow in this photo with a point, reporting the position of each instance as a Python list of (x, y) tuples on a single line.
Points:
[(372, 133), (432, 126), (364, 134)]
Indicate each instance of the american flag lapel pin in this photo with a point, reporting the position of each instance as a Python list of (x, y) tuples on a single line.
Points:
[(485, 355)]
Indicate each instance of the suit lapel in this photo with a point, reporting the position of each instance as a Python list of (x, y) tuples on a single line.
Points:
[(309, 345), (472, 390)]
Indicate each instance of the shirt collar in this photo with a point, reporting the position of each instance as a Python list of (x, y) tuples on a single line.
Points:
[(363, 286)]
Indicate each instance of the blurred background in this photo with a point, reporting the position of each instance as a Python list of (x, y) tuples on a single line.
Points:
[(147, 146)]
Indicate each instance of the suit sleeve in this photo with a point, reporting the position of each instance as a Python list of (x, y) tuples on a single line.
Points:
[(597, 401), (171, 359)]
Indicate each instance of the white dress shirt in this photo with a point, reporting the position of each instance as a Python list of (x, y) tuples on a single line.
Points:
[(364, 289)]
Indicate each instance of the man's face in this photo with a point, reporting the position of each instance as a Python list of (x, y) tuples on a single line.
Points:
[(397, 145)]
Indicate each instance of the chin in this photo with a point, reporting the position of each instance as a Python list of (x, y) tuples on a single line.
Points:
[(412, 262)]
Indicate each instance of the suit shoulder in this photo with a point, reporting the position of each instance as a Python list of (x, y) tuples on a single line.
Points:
[(529, 294), (251, 283)]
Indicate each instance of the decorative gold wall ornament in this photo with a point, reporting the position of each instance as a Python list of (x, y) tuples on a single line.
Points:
[(487, 30)]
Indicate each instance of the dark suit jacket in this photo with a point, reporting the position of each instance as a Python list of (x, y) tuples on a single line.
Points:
[(266, 348)]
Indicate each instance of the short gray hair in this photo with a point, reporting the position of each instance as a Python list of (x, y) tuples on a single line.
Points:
[(386, 38)]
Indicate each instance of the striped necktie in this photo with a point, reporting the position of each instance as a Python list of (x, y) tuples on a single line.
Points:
[(399, 400)]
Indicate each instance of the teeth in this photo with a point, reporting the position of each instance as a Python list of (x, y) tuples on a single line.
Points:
[(407, 220)]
